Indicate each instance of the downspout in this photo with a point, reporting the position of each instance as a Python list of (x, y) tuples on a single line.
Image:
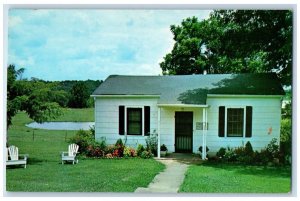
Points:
[(205, 131)]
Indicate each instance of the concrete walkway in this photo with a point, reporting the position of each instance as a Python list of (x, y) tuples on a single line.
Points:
[(167, 181)]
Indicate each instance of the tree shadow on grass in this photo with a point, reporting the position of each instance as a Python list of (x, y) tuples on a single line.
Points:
[(266, 171), (34, 161)]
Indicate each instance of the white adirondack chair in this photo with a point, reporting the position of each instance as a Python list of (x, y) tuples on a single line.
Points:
[(13, 156), (71, 154)]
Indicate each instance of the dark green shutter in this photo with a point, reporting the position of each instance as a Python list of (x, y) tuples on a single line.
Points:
[(147, 120), (221, 121), (121, 119), (249, 121)]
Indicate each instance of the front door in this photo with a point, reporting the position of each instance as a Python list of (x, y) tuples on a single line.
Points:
[(184, 132)]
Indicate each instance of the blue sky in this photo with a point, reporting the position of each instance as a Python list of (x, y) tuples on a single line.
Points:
[(91, 44)]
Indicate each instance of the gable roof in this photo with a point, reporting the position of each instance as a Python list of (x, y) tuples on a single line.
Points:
[(191, 89)]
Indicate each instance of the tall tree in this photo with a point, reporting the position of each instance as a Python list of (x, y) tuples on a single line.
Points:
[(233, 41), (33, 97), (79, 95)]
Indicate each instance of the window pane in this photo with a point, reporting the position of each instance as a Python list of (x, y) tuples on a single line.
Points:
[(235, 122), (134, 121), (134, 115), (134, 128)]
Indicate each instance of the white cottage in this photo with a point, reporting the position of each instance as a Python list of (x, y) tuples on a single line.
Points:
[(189, 111)]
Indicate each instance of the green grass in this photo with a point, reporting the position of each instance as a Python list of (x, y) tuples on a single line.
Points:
[(44, 172), (226, 178), (89, 175), (77, 115)]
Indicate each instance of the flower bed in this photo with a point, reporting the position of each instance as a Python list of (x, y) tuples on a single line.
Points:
[(91, 148), (271, 155)]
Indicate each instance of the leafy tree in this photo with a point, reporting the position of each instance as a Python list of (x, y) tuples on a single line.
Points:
[(79, 95), (233, 41), (33, 97)]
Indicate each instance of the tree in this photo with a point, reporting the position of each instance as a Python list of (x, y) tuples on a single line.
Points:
[(233, 41), (79, 95), (33, 97)]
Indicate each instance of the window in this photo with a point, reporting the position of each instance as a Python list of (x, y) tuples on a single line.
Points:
[(134, 121), (235, 122)]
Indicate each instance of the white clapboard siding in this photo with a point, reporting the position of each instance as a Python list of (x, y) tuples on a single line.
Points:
[(107, 118), (266, 115)]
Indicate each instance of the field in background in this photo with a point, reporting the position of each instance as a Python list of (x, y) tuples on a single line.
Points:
[(77, 115)]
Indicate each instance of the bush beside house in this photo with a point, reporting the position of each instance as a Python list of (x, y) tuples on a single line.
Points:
[(271, 155), (89, 147)]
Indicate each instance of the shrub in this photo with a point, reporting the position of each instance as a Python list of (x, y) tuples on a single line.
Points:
[(140, 149), (200, 149), (245, 154), (96, 149), (151, 142), (92, 130), (273, 148), (248, 149), (146, 154), (129, 152), (207, 149), (119, 143), (286, 138), (83, 139), (239, 151), (118, 152), (221, 152), (230, 155), (257, 158), (163, 147), (109, 149)]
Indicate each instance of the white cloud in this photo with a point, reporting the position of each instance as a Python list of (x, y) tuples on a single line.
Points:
[(14, 21), (91, 44)]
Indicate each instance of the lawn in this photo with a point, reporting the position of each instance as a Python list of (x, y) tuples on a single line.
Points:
[(77, 115), (44, 172), (226, 178)]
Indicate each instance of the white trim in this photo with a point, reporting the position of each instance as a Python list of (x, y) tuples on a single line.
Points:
[(242, 96), (125, 96), (183, 105), (143, 121), (95, 116), (125, 119), (158, 133), (203, 135), (225, 121), (244, 122)]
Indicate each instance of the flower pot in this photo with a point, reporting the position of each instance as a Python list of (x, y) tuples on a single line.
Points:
[(163, 153)]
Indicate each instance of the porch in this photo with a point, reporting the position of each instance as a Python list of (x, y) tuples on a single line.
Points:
[(182, 128)]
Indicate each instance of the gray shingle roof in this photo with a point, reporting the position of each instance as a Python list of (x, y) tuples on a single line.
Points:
[(191, 89)]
